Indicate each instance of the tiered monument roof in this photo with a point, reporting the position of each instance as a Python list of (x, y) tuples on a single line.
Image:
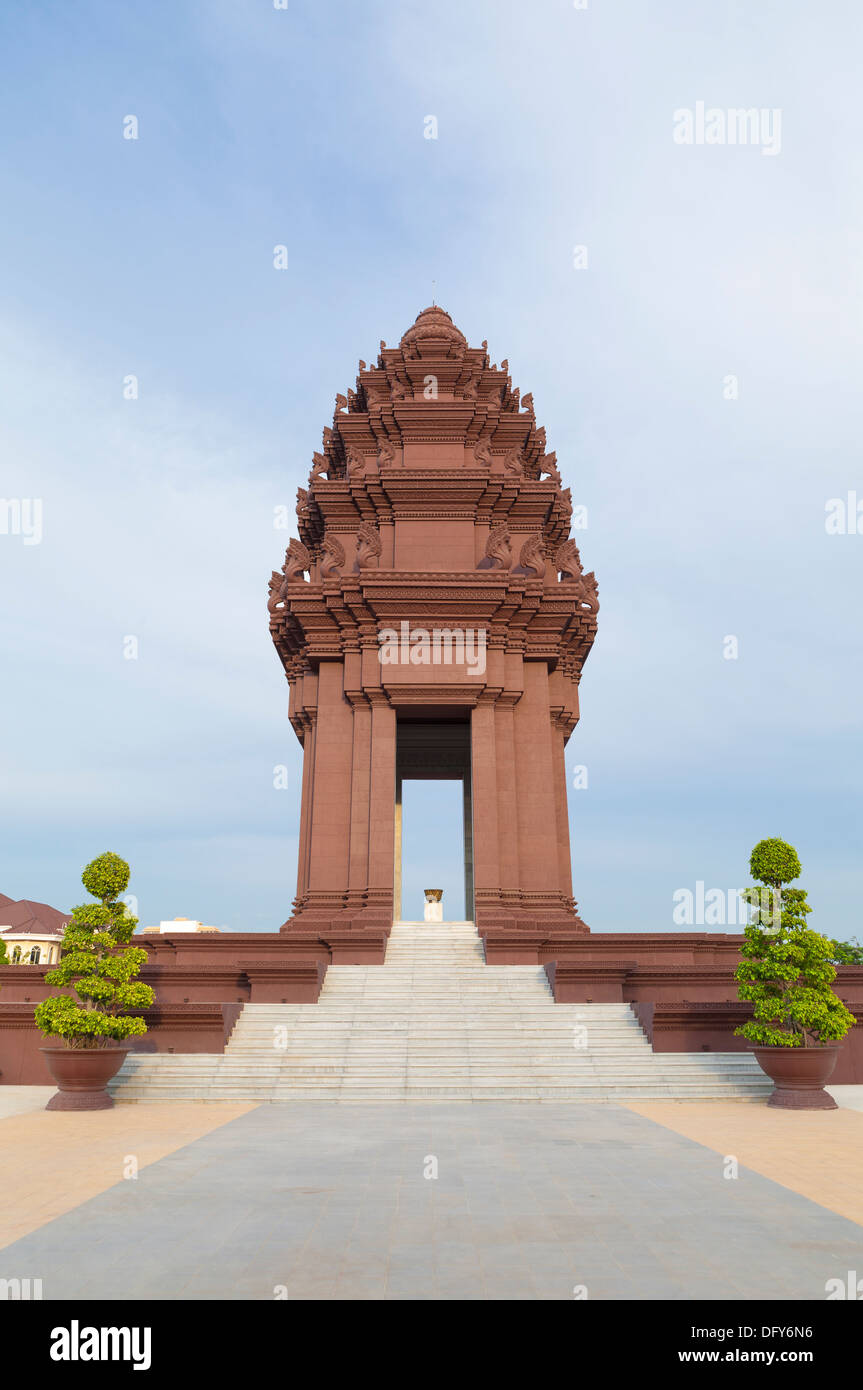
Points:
[(433, 494)]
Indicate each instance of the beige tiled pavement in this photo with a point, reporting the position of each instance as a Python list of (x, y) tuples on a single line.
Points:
[(816, 1153), (52, 1161)]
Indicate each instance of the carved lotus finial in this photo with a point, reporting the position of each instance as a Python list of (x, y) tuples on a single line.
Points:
[(433, 322), (532, 555), (332, 558), (369, 546), (297, 559), (499, 548)]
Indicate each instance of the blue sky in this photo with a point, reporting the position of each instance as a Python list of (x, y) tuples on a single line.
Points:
[(706, 516)]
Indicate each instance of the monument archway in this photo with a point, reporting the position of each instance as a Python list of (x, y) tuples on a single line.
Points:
[(434, 750), (433, 585)]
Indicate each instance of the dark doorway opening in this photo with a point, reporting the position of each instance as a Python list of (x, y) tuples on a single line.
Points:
[(430, 751)]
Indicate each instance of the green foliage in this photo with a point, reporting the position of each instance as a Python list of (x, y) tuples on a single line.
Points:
[(848, 952), (106, 877), (774, 862), (99, 964), (3, 957), (787, 969)]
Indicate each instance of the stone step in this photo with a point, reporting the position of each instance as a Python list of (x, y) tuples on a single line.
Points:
[(504, 1016), (588, 1079), (278, 1056), (466, 1046), (509, 1040), (390, 1026), (504, 1013), (425, 1094), (290, 1072), (435, 1023), (475, 1066)]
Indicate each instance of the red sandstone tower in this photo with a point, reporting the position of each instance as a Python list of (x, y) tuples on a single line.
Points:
[(433, 517)]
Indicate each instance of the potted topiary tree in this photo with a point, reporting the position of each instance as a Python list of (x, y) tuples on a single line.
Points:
[(100, 966), (786, 973)]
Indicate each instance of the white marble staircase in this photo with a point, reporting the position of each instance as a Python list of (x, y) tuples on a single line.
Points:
[(435, 1023)]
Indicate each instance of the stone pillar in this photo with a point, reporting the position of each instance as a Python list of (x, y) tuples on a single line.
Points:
[(467, 822), (397, 853), (536, 804), (310, 723), (564, 857), (507, 789), (326, 821), (360, 802), (381, 832), (483, 772)]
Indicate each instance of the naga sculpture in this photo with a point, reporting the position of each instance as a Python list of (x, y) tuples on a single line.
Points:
[(368, 546), (356, 462), (587, 592), (548, 465), (512, 463), (297, 559), (532, 555), (386, 454), (332, 558), (277, 591), (482, 452), (567, 560), (499, 547)]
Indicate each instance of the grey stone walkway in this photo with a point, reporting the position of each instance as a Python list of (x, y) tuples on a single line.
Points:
[(530, 1201)]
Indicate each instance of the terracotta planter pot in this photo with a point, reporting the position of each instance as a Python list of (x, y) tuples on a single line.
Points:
[(799, 1075), (82, 1073)]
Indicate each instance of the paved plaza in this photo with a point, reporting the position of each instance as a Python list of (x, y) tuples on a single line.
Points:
[(449, 1201)]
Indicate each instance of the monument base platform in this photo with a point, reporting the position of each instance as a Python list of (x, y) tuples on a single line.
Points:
[(679, 985)]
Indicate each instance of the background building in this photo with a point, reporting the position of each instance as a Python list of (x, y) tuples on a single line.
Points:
[(31, 931)]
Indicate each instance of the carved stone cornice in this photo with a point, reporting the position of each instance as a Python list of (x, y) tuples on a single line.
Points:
[(440, 693)]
